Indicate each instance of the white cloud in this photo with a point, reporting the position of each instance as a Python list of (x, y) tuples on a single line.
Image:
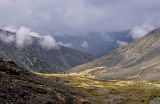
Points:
[(65, 44), (141, 30), (10, 28), (23, 37), (48, 42), (84, 44), (7, 38), (121, 43), (34, 34)]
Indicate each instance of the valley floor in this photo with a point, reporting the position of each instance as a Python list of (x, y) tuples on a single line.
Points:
[(111, 92)]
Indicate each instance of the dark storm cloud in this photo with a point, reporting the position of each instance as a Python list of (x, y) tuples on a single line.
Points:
[(78, 17)]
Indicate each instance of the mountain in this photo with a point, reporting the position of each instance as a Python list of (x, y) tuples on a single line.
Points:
[(138, 60), (19, 86), (98, 44), (35, 58)]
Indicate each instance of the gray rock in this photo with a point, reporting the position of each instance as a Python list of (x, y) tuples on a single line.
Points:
[(155, 101)]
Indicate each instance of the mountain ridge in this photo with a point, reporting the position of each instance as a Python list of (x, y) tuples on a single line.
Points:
[(35, 58), (127, 62)]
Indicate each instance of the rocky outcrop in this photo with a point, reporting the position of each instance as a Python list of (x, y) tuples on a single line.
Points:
[(155, 101)]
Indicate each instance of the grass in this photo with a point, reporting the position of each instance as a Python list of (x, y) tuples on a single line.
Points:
[(117, 92)]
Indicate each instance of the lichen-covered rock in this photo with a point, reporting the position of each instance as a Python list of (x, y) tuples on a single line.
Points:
[(155, 101)]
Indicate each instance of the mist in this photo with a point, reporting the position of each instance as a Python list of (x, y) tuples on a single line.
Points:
[(141, 30), (24, 37)]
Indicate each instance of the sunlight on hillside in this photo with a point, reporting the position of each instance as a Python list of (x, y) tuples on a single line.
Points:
[(102, 92)]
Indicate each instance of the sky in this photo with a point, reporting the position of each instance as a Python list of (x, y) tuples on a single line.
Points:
[(78, 17), (81, 17)]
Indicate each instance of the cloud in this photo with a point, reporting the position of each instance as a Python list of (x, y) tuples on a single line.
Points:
[(10, 28), (65, 44), (141, 30), (84, 44), (107, 37), (121, 43), (78, 17), (7, 39), (48, 42), (24, 37), (34, 34), (23, 29)]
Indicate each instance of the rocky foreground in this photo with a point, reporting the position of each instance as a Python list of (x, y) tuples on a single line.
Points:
[(18, 86)]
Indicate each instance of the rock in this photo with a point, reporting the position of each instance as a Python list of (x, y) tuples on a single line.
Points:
[(19, 86), (3, 95), (155, 101)]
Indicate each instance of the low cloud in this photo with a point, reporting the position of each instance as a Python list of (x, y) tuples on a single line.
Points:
[(141, 30), (24, 37), (84, 44), (107, 37), (10, 28), (65, 44), (33, 34), (7, 39), (48, 42), (121, 43)]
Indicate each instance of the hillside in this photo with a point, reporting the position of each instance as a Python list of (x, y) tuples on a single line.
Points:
[(18, 86), (138, 60), (36, 58)]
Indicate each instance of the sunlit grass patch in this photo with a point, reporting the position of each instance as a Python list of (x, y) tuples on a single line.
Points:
[(137, 92)]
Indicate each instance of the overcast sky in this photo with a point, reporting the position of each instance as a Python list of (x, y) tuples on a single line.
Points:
[(78, 17)]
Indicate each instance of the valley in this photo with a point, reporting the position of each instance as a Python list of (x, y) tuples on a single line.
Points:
[(110, 91), (79, 52)]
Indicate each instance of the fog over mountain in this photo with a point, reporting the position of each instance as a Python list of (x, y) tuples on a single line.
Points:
[(37, 52), (95, 44), (82, 18)]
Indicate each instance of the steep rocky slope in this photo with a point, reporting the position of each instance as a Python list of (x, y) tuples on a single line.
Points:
[(18, 86), (35, 58), (138, 60)]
